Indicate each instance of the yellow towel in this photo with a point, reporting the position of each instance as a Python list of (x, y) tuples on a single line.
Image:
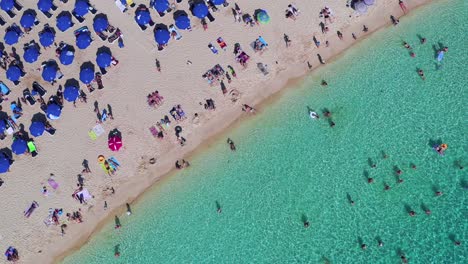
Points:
[(92, 135)]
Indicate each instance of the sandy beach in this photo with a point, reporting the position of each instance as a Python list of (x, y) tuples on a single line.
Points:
[(126, 87)]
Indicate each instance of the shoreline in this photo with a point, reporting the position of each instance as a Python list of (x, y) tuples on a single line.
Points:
[(78, 235)]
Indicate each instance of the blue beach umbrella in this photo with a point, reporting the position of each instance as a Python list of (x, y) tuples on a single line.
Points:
[(182, 22), (142, 17), (7, 5), (27, 20), (162, 36), (103, 59), (4, 164), (13, 73), (67, 57), (44, 5), (200, 10), (19, 146), (83, 40), (100, 24), (218, 2), (36, 128), (64, 22), (49, 73), (161, 5), (71, 93), (81, 7), (11, 37), (46, 38), (53, 111), (31, 54), (86, 75)]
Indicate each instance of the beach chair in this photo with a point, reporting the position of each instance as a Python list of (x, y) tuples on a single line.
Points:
[(221, 43), (81, 30), (130, 3), (17, 6), (77, 17), (210, 17), (11, 14), (120, 6)]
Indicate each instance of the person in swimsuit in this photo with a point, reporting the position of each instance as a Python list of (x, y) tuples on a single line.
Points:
[(231, 144)]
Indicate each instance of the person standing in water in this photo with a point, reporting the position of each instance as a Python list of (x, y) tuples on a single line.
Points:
[(231, 144)]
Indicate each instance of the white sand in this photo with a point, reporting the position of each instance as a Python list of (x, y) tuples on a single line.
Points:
[(126, 87)]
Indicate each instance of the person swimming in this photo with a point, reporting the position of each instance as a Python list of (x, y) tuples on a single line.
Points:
[(332, 124), (423, 40), (412, 213), (324, 83), (370, 180), (387, 187), (421, 74), (406, 45), (363, 246), (306, 224), (441, 148), (231, 144)]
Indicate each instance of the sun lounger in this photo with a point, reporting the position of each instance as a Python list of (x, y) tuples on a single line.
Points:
[(17, 6), (92, 9), (47, 14), (120, 6), (114, 160), (37, 88), (81, 30), (27, 95), (210, 17), (115, 36), (110, 28), (174, 33), (11, 14), (130, 3), (102, 36)]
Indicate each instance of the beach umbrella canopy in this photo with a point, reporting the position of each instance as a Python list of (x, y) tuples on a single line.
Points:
[(218, 2), (83, 40), (4, 164), (369, 2), (103, 59), (7, 5), (13, 73), (44, 5), (31, 54), (11, 37), (162, 36), (19, 146), (53, 111), (263, 17), (66, 56), (100, 24), (200, 10), (360, 7), (46, 38), (161, 5), (49, 73), (86, 75), (115, 143), (182, 22), (27, 20), (142, 17), (36, 128), (71, 93), (64, 22), (81, 7)]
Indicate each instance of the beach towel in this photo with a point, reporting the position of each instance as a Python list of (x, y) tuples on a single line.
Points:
[(153, 131), (85, 194), (262, 41), (212, 48), (53, 183), (174, 33), (98, 130), (4, 89)]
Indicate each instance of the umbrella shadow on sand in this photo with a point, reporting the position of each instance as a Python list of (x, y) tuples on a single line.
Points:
[(104, 49), (39, 117), (72, 82), (115, 132), (87, 65)]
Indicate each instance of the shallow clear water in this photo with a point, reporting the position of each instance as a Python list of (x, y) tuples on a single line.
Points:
[(288, 166)]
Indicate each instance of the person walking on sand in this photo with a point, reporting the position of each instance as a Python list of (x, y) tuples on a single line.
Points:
[(403, 6), (340, 35), (158, 65), (421, 74), (287, 40)]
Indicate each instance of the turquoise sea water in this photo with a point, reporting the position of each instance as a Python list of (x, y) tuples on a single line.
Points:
[(288, 167)]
